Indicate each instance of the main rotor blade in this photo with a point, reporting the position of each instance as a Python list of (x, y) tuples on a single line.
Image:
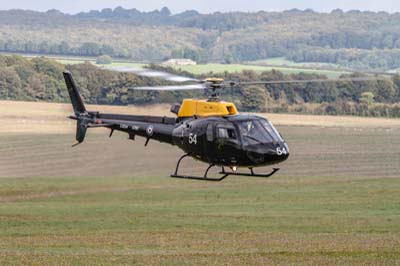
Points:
[(172, 88), (304, 81), (153, 74)]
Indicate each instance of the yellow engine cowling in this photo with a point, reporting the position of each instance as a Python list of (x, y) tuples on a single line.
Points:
[(191, 107)]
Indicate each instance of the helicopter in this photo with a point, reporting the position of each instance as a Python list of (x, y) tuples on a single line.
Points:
[(211, 131)]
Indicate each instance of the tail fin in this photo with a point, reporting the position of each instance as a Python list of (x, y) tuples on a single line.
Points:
[(79, 107), (76, 99), (81, 129)]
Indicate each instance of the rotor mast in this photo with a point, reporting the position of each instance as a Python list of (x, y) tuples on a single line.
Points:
[(214, 85)]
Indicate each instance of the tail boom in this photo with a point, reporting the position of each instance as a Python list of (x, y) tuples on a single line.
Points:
[(150, 127)]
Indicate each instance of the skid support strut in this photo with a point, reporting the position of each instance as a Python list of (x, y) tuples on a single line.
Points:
[(203, 178)]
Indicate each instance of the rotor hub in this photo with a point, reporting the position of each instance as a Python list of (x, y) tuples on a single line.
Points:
[(214, 84)]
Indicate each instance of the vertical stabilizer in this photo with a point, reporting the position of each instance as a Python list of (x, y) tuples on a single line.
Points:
[(76, 98), (79, 107)]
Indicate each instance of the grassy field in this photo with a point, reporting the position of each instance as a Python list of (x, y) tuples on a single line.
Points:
[(220, 68), (217, 68), (110, 201), (72, 60), (280, 64), (281, 61)]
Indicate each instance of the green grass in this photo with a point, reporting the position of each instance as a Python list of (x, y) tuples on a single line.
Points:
[(278, 61), (213, 68), (71, 60), (335, 202), (282, 61), (220, 68), (159, 204), (155, 220), (115, 63)]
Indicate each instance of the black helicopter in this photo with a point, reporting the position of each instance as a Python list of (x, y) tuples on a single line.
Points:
[(211, 131)]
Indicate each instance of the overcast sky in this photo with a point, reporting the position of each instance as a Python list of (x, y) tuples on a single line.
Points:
[(204, 6)]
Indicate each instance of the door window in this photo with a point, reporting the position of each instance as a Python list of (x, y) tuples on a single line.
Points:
[(210, 132)]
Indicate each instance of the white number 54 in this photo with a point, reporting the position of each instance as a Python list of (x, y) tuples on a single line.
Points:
[(192, 138)]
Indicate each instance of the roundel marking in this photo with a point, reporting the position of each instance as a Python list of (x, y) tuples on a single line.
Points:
[(150, 130)]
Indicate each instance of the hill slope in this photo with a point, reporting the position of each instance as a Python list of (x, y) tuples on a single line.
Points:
[(353, 39)]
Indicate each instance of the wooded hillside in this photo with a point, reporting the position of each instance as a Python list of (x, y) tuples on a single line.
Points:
[(363, 40)]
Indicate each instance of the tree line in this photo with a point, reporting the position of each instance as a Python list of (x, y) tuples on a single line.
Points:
[(363, 40), (40, 79), (62, 48)]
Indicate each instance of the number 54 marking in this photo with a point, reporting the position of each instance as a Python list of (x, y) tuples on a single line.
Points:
[(193, 138)]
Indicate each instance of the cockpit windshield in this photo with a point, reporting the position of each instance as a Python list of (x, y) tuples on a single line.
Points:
[(258, 132), (272, 130)]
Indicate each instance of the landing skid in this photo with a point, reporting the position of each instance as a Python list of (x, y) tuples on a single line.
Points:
[(252, 174), (223, 173)]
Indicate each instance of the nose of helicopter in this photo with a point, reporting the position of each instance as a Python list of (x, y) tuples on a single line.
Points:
[(269, 153), (279, 153)]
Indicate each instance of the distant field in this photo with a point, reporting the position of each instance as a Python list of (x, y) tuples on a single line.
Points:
[(71, 60), (93, 61), (217, 68), (207, 68), (110, 201), (281, 61), (220, 68)]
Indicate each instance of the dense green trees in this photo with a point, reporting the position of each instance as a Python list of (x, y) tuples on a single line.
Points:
[(104, 60), (63, 48), (40, 79), (198, 55), (363, 40)]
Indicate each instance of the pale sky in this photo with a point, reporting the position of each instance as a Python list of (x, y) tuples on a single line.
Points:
[(203, 6)]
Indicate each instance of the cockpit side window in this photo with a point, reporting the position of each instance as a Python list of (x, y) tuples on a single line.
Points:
[(226, 132)]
